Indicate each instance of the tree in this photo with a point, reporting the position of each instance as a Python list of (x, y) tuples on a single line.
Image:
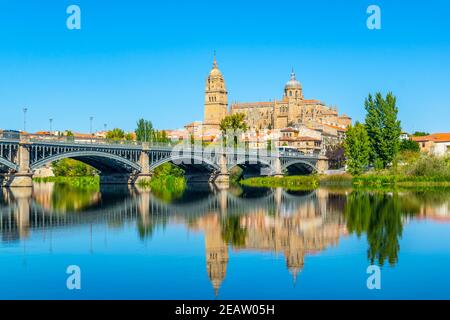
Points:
[(160, 136), (144, 130), (336, 155), (232, 125), (420, 134), (115, 134), (72, 168), (409, 145), (357, 148), (383, 128)]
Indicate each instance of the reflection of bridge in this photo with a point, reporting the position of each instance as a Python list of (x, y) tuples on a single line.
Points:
[(273, 220), (21, 212), (127, 163)]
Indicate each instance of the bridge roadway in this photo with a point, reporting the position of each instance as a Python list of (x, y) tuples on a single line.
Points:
[(128, 163)]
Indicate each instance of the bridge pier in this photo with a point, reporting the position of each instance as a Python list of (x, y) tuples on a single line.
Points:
[(277, 167), (322, 164), (222, 180), (24, 176)]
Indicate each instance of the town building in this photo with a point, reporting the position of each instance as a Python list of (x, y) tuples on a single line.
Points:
[(292, 109), (437, 144)]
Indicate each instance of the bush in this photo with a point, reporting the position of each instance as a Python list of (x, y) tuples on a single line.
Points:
[(428, 166)]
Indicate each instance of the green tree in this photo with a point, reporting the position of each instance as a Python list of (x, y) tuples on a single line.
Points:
[(115, 134), (357, 148), (409, 145), (72, 168), (231, 125), (144, 130), (420, 134), (383, 128)]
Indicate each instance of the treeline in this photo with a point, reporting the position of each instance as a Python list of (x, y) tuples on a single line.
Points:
[(375, 145), (144, 132)]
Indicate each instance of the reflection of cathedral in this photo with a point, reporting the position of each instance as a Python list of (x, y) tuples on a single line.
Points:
[(216, 249), (305, 231)]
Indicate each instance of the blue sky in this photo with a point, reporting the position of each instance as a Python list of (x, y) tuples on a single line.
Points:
[(149, 59)]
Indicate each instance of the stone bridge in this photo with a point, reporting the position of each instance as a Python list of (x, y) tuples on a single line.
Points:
[(128, 163)]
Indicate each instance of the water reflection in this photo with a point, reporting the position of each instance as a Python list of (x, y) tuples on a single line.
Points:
[(294, 224)]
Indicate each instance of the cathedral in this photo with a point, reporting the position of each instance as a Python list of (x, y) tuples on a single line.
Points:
[(289, 111)]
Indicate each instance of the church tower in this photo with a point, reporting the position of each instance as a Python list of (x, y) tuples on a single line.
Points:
[(216, 98)]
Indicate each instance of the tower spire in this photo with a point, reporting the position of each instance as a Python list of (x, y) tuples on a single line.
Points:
[(215, 60), (293, 74)]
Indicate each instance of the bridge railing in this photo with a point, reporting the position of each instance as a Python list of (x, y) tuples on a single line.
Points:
[(171, 145)]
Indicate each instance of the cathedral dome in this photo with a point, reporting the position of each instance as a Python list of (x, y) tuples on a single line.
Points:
[(293, 83)]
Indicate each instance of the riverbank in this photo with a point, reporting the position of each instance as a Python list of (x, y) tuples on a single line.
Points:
[(288, 182), (85, 182), (372, 180)]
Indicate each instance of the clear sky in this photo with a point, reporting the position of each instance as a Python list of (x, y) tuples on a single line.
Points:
[(150, 59)]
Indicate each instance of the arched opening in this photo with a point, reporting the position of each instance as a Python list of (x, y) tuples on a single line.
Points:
[(112, 169), (196, 169), (250, 169), (299, 168)]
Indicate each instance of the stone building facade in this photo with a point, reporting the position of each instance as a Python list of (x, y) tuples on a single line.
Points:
[(291, 110)]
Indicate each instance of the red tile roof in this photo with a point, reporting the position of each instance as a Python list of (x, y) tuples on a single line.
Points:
[(435, 137)]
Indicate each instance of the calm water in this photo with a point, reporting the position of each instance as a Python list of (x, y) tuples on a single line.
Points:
[(235, 244)]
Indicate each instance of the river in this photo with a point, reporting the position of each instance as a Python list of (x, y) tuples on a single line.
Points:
[(240, 243)]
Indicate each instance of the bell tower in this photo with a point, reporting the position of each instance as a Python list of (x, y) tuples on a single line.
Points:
[(216, 98)]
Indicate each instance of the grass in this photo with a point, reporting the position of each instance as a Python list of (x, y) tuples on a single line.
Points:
[(375, 180), (77, 182), (288, 182)]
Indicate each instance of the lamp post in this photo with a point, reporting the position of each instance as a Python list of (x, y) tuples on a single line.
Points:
[(90, 124), (145, 131), (51, 123), (25, 119)]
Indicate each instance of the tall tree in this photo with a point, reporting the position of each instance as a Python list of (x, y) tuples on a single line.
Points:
[(357, 148), (231, 125), (144, 130), (383, 128)]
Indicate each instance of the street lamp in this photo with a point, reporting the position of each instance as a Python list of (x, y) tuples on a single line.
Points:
[(51, 122), (25, 119), (90, 125)]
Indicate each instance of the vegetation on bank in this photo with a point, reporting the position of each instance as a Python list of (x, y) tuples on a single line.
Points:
[(86, 182), (287, 182), (410, 170), (167, 182)]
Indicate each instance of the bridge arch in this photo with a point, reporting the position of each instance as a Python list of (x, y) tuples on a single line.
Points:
[(8, 164), (196, 168), (298, 166), (102, 161), (253, 169)]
